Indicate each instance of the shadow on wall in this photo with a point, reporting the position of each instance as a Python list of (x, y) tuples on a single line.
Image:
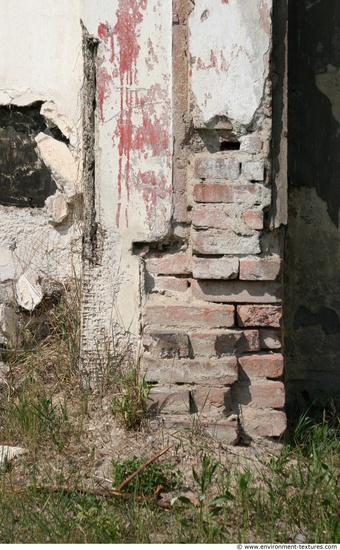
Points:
[(312, 263)]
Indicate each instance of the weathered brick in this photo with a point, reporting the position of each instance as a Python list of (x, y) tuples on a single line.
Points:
[(224, 343), (166, 284), (225, 242), (214, 167), (167, 344), (259, 316), (267, 423), (236, 291), (208, 372), (253, 170), (270, 339), (253, 218), (209, 316), (215, 268), (263, 269), (210, 217), (262, 365), (165, 401), (251, 144), (203, 400), (168, 264), (247, 195), (266, 394), (226, 430)]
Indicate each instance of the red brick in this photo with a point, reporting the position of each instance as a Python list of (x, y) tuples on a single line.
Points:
[(236, 291), (167, 344), (209, 316), (166, 284), (208, 372), (214, 167), (225, 242), (259, 316), (209, 217), (268, 423), (224, 343), (251, 195), (262, 365), (253, 219), (270, 339), (215, 268), (206, 399), (167, 264), (264, 269), (267, 394), (163, 401), (226, 431)]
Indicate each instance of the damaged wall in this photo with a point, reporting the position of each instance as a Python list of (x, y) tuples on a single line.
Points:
[(312, 299), (40, 143), (163, 111)]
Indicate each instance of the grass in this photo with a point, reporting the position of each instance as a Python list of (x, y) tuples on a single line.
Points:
[(45, 496)]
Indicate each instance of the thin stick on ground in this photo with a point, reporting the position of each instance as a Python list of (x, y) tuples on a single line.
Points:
[(142, 466)]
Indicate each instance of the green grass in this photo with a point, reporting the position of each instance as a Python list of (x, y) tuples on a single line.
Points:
[(295, 493)]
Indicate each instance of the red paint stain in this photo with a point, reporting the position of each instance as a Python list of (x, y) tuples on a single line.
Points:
[(225, 1), (213, 64), (265, 16), (149, 134)]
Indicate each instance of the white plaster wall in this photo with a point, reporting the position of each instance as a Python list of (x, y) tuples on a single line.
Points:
[(230, 42), (41, 60)]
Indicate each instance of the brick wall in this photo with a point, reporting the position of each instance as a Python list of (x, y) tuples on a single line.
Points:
[(212, 313)]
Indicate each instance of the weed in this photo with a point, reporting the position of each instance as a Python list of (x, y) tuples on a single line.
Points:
[(147, 481), (130, 400)]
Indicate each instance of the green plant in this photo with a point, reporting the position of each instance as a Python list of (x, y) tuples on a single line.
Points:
[(147, 481), (131, 398)]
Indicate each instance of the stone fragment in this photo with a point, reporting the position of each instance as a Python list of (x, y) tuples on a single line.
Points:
[(28, 291), (56, 208), (215, 268), (65, 169), (8, 453), (251, 144)]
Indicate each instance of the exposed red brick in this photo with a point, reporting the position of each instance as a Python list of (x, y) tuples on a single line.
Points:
[(204, 399), (253, 219), (270, 339), (262, 365), (215, 268), (168, 264), (266, 394), (167, 344), (264, 269), (166, 284), (236, 291), (259, 316), (221, 192), (226, 342), (209, 217), (268, 423), (207, 372), (214, 167), (163, 401), (209, 316)]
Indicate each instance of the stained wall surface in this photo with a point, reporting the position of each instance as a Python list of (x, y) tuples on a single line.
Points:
[(153, 120), (312, 289)]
